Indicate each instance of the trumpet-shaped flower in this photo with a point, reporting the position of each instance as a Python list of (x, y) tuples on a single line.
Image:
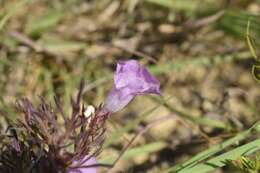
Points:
[(131, 79)]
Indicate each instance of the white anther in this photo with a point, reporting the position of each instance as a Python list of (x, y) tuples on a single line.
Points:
[(89, 111)]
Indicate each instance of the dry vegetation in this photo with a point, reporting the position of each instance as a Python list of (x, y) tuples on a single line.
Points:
[(197, 49)]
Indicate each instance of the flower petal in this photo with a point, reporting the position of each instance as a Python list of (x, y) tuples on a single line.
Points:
[(136, 78), (88, 162), (117, 99)]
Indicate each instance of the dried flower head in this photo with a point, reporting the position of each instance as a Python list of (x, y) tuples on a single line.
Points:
[(47, 140), (131, 79)]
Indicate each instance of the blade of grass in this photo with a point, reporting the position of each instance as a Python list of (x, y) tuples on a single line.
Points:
[(256, 72), (250, 41), (187, 6), (223, 159), (198, 120), (239, 20), (12, 12), (62, 46), (215, 149), (52, 17), (255, 68)]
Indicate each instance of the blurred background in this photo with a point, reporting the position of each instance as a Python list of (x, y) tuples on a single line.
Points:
[(196, 48)]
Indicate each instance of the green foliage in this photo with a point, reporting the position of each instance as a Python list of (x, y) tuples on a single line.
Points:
[(221, 160), (239, 20), (38, 26), (12, 11), (188, 6), (202, 162), (251, 45), (247, 164)]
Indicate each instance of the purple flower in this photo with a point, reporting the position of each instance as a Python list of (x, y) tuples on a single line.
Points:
[(131, 79), (81, 166)]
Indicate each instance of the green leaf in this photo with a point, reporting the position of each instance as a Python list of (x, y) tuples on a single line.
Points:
[(60, 46), (39, 25), (189, 6)]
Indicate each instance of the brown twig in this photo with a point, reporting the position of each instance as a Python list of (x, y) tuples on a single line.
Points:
[(37, 47), (191, 24), (26, 41)]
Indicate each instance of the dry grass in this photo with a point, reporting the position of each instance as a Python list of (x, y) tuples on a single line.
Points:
[(197, 50)]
